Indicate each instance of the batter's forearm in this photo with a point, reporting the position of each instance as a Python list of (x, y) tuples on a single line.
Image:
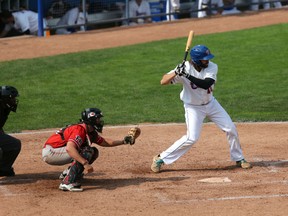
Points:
[(205, 84), (167, 78)]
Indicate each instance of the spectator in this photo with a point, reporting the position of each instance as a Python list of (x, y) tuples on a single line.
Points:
[(217, 7), (265, 3), (210, 7), (7, 29), (138, 8), (229, 7), (74, 16), (58, 8), (172, 6), (25, 21), (73, 144), (10, 147)]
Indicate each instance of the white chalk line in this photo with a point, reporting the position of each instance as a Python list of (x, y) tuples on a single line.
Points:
[(231, 198), (165, 198), (225, 184), (6, 192), (147, 125)]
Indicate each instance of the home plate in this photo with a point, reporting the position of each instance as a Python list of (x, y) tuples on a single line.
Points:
[(215, 180)]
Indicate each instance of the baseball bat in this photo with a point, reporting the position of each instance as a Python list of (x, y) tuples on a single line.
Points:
[(188, 44)]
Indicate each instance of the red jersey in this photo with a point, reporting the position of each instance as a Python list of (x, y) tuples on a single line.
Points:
[(75, 133)]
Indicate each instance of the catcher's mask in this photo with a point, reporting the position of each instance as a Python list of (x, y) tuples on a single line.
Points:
[(198, 53), (8, 96), (92, 116)]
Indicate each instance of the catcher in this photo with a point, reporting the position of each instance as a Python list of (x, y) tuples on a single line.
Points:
[(72, 144)]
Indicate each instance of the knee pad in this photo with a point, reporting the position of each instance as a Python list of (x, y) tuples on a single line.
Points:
[(90, 153), (95, 154)]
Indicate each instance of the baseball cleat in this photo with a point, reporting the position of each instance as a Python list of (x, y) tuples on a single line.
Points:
[(64, 173), (8, 173), (74, 187), (156, 164), (243, 164)]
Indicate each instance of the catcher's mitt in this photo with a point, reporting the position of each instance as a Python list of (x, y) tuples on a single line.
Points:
[(132, 135)]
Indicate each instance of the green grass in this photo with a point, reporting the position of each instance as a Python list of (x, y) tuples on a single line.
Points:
[(124, 82)]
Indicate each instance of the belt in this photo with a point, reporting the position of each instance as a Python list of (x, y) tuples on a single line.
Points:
[(203, 104)]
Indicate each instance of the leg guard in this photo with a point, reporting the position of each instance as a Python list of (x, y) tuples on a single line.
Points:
[(76, 170)]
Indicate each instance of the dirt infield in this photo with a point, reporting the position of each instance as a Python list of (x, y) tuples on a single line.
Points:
[(122, 183)]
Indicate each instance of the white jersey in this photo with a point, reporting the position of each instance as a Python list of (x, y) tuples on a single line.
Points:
[(191, 94), (72, 17), (26, 20), (136, 10), (171, 7), (214, 4)]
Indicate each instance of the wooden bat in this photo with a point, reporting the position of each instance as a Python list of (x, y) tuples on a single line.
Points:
[(188, 44)]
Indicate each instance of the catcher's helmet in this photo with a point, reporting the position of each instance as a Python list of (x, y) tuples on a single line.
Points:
[(92, 116), (8, 96), (200, 52)]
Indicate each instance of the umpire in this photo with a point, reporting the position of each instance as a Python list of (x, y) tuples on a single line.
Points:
[(9, 146)]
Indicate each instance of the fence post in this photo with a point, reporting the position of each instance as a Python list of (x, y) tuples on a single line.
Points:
[(40, 19)]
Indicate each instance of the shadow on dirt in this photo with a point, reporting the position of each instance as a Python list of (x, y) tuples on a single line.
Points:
[(89, 183), (278, 163), (112, 184), (28, 178), (216, 169)]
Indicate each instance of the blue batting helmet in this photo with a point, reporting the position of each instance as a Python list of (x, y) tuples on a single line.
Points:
[(200, 52)]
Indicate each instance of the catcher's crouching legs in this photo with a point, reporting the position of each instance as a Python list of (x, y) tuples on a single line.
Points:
[(75, 172)]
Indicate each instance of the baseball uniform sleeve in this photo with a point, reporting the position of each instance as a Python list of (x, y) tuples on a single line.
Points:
[(21, 21), (211, 71)]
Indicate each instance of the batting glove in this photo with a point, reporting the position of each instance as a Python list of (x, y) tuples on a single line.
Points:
[(179, 69)]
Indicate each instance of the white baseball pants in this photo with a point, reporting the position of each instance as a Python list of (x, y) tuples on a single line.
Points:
[(195, 116), (56, 156)]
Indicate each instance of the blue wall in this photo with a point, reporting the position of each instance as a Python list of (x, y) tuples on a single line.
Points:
[(47, 3)]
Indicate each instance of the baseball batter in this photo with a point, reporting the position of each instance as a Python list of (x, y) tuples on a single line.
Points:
[(198, 77)]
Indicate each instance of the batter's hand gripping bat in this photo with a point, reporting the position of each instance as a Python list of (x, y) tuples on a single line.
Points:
[(188, 44)]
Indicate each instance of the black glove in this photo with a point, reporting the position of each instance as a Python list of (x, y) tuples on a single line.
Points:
[(181, 70)]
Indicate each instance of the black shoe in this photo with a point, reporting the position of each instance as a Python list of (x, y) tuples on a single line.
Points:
[(7, 172)]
